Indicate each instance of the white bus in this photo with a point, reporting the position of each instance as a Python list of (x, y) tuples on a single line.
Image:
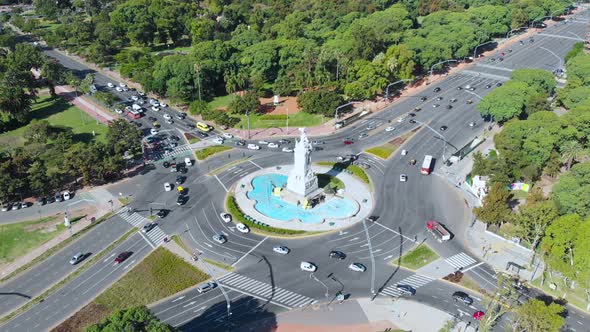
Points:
[(426, 165)]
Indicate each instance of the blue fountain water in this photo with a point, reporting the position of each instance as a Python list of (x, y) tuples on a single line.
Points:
[(276, 208)]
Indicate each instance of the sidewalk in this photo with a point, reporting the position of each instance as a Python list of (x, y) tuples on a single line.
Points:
[(85, 104), (361, 315)]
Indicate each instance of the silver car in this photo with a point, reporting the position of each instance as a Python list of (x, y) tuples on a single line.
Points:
[(77, 258), (219, 238)]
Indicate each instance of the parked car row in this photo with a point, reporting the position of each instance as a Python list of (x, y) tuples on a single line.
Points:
[(58, 197)]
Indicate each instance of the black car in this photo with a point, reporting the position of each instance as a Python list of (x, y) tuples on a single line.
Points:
[(151, 118), (203, 135), (459, 88), (453, 100), (373, 218), (443, 128), (180, 116), (417, 109), (147, 227), (423, 98), (240, 143), (449, 107), (181, 200), (162, 213), (166, 164), (317, 148), (439, 98), (437, 89), (284, 141), (180, 179), (489, 86), (190, 125), (498, 84), (462, 297), (337, 254), (411, 115), (406, 289), (174, 138)]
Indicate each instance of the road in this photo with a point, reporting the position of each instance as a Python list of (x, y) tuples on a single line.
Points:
[(261, 276)]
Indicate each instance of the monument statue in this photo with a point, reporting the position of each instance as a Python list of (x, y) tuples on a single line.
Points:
[(301, 179)]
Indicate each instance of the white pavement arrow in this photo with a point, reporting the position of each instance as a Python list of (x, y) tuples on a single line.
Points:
[(178, 299), (189, 304)]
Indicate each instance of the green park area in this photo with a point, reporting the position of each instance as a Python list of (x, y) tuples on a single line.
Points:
[(299, 119), (19, 238), (384, 151), (417, 257), (61, 114), (161, 274), (352, 169), (207, 152)]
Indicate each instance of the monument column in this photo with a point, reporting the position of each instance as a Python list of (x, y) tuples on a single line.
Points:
[(301, 179)]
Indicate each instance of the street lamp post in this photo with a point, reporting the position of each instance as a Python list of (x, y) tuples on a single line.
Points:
[(311, 275), (437, 133), (537, 19), (227, 300), (394, 83), (338, 108), (436, 64), (509, 33), (555, 55), (555, 11), (482, 44), (372, 259)]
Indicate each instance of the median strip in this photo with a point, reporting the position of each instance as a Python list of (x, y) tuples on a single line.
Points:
[(67, 279)]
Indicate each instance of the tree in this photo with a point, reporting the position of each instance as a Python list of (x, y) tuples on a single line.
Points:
[(245, 104), (572, 192), (553, 165), (400, 61), (86, 83), (495, 209), (532, 220), (15, 102), (37, 179), (538, 79), (369, 79), (122, 136), (535, 315), (321, 101), (481, 165), (132, 319), (570, 152), (53, 74), (73, 81), (505, 102), (38, 131), (499, 302)]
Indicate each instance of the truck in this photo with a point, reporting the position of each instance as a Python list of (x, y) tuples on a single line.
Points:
[(438, 231)]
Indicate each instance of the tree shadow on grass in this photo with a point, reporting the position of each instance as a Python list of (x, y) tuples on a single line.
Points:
[(54, 106)]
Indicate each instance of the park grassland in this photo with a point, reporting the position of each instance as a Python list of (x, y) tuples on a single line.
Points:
[(210, 151), (382, 151), (299, 119), (59, 113), (417, 257), (19, 238), (354, 170), (159, 275)]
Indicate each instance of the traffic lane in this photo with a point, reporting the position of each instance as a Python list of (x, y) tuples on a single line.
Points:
[(229, 176), (439, 294), (18, 290), (34, 211), (79, 291)]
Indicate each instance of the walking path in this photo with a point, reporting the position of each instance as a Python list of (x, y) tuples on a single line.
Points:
[(361, 315), (84, 103)]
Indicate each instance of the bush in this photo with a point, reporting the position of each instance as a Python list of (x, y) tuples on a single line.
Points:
[(234, 210), (133, 319)]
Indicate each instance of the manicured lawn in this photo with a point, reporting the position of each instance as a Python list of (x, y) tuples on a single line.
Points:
[(220, 265), (575, 296), (222, 102), (59, 113), (325, 180), (417, 257), (299, 119), (210, 151), (383, 151), (18, 239), (159, 275), (355, 170)]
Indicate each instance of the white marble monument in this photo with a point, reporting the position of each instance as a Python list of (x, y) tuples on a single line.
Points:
[(302, 181)]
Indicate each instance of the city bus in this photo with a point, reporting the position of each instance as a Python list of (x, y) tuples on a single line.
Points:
[(203, 126), (426, 165), (134, 114)]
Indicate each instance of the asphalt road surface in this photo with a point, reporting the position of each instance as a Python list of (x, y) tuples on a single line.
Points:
[(264, 283)]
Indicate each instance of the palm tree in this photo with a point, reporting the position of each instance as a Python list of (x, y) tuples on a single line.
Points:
[(15, 101), (570, 152)]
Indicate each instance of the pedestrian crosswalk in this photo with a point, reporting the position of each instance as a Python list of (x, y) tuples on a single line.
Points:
[(265, 291), (155, 235), (461, 260), (183, 149), (415, 281)]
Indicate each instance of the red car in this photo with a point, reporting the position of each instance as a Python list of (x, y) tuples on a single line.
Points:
[(348, 142), (122, 256), (503, 54)]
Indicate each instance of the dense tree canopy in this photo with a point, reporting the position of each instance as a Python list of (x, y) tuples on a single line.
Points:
[(133, 319)]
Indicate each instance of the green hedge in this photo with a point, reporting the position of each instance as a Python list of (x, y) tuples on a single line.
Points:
[(234, 210), (210, 151), (272, 117), (352, 169)]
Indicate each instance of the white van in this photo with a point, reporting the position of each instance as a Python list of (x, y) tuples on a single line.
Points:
[(188, 161), (136, 107)]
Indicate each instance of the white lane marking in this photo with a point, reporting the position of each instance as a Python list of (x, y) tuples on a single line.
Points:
[(108, 258), (388, 257), (342, 233), (377, 223), (221, 183), (208, 245), (354, 239), (472, 267), (189, 304), (256, 297), (255, 164), (146, 239), (201, 308), (249, 251), (128, 265), (178, 299)]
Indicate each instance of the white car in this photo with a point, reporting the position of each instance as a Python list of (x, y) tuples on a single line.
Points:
[(140, 93), (226, 217), (125, 88), (285, 149), (307, 266), (403, 178), (242, 228), (400, 120), (218, 140), (169, 121), (167, 116), (110, 85), (118, 111), (388, 129), (227, 135), (167, 186), (154, 131), (134, 98), (163, 105), (119, 89), (253, 147), (281, 250), (155, 109), (263, 142), (154, 102), (404, 152), (273, 145), (471, 124), (357, 267), (188, 161), (122, 85), (67, 195)]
